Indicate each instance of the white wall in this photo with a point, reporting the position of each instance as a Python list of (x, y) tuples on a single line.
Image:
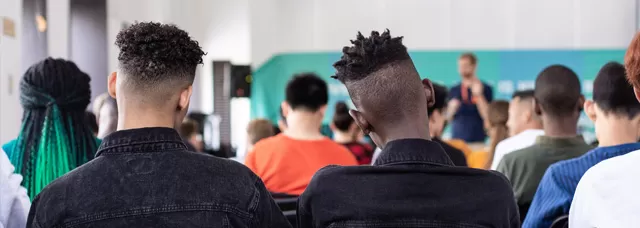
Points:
[(327, 25), (88, 41), (10, 72)]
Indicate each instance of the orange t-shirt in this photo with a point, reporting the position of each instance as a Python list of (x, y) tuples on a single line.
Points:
[(286, 165)]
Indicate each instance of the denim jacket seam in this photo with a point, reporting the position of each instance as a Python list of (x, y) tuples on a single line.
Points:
[(109, 145), (255, 201), (133, 153), (149, 211)]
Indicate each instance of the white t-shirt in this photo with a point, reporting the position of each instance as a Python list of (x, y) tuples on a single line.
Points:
[(14, 201), (607, 195), (513, 143)]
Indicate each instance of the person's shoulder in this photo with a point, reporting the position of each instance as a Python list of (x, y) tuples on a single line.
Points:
[(491, 179), (521, 154), (617, 166), (270, 143)]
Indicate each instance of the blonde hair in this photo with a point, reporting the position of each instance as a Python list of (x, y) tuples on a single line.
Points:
[(259, 129)]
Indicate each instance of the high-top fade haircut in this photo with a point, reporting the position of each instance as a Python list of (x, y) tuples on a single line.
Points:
[(307, 91), (612, 93), (380, 77), (557, 91), (440, 94), (54, 137), (157, 58)]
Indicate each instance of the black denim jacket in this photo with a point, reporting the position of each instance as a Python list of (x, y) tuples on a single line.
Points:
[(412, 184), (147, 178)]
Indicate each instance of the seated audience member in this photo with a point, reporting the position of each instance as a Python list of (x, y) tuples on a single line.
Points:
[(190, 136), (607, 195), (108, 117), (523, 124), (286, 162), (257, 130), (346, 132), (437, 121), (143, 175), (54, 137), (392, 108), (558, 102), (14, 201), (616, 115), (91, 121), (497, 117)]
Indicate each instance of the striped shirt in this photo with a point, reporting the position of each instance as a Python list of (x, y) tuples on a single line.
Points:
[(557, 187)]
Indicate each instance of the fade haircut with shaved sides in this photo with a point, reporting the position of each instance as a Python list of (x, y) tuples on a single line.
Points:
[(380, 77), (157, 59)]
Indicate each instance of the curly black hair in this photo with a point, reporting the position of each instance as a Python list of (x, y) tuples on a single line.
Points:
[(380, 77), (368, 55), (152, 52)]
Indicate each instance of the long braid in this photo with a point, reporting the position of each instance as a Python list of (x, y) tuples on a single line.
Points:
[(53, 139)]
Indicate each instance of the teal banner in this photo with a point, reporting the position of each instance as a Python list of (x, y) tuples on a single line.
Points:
[(506, 71)]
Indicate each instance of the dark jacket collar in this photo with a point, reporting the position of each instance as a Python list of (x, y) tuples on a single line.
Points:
[(155, 139), (413, 151)]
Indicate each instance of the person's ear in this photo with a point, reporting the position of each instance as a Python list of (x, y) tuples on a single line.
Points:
[(111, 84), (333, 126), (590, 110), (580, 103), (185, 97), (322, 109), (428, 90), (536, 107), (637, 93), (285, 109), (364, 125)]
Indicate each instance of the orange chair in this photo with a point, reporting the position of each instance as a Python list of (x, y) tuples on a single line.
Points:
[(460, 145), (478, 159)]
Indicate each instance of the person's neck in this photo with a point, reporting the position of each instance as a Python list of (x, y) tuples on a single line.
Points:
[(402, 131), (468, 81), (617, 131), (304, 126), (342, 137), (137, 118), (560, 127)]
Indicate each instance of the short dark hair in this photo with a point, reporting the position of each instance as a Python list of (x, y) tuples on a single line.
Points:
[(395, 84), (341, 118), (613, 93), (557, 90), (524, 94), (470, 56), (307, 91), (440, 92), (188, 128), (157, 57)]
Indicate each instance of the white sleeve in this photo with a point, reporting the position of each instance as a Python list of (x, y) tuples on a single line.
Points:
[(580, 212), (14, 201), (497, 155)]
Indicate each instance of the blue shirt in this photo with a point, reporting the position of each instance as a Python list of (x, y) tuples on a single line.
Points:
[(467, 123), (555, 192)]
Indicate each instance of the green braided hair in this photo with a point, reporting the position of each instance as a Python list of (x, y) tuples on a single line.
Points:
[(53, 138)]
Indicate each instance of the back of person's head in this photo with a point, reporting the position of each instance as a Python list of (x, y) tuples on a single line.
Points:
[(498, 115), (188, 128), (157, 66), (342, 121), (55, 138), (108, 117), (522, 115), (557, 93), (385, 87), (613, 94), (259, 129), (307, 92), (437, 118), (632, 64)]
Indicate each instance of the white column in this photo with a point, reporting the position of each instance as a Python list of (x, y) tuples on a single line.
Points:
[(10, 67), (58, 28)]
